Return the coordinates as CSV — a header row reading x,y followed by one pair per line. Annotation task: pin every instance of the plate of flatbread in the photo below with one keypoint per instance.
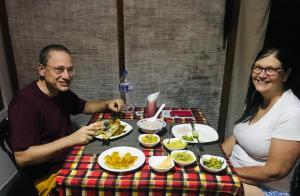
x,y
112,129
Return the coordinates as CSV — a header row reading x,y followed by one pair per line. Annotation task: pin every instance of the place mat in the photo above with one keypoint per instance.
x,y
131,139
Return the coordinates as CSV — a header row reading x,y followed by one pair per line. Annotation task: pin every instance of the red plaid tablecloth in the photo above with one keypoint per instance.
x,y
82,175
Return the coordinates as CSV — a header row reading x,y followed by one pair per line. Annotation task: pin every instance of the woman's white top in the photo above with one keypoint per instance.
x,y
282,121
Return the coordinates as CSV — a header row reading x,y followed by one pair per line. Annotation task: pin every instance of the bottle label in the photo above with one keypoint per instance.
x,y
124,87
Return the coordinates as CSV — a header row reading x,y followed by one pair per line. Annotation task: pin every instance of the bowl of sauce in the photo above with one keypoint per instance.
x,y
174,144
149,140
183,157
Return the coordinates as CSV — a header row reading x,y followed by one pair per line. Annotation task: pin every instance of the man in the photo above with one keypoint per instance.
x,y
39,114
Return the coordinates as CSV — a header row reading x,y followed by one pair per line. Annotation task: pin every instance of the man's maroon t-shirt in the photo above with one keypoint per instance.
x,y
36,118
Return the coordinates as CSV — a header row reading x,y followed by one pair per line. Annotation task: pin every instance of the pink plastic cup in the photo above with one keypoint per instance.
x,y
151,108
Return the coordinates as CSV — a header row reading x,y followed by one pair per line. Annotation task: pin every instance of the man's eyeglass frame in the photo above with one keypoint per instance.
x,y
61,70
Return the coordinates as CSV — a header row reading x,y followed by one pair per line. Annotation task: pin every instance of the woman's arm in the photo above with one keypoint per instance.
x,y
228,145
283,155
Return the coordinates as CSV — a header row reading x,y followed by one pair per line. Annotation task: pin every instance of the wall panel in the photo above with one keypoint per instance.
x,y
175,47
88,28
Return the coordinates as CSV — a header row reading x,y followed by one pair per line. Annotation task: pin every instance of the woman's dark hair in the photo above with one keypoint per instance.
x,y
44,54
253,98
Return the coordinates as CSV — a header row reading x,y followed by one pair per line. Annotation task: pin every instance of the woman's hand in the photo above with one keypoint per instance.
x,y
228,145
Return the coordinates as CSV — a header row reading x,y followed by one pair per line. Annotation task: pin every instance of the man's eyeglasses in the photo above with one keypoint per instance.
x,y
61,70
270,71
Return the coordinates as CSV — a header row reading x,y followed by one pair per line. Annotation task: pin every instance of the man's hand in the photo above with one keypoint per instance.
x,y
115,105
41,153
83,135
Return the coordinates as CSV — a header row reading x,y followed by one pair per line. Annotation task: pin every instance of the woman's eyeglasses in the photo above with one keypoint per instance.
x,y
61,70
270,71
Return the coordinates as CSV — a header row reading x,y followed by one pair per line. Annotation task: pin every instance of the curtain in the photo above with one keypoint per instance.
x,y
252,24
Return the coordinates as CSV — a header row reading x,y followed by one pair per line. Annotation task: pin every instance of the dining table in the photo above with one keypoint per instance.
x,y
81,173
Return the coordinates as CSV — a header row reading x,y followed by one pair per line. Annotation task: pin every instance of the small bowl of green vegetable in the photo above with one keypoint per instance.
x,y
149,140
213,163
183,157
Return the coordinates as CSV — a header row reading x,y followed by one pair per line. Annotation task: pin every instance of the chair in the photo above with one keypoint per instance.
x,y
4,139
295,185
22,185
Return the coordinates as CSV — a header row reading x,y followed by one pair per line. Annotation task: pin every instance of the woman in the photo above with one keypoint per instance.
x,y
265,147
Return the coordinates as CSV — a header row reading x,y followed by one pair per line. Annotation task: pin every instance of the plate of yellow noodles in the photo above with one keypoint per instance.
x,y
112,128
121,159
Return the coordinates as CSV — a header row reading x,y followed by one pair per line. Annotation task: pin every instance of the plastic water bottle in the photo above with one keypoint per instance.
x,y
125,89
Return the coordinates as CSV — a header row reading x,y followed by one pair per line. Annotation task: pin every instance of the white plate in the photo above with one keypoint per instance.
x,y
205,132
126,130
122,151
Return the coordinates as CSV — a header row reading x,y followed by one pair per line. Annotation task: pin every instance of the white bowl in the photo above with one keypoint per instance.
x,y
149,143
156,163
170,148
148,126
211,169
181,162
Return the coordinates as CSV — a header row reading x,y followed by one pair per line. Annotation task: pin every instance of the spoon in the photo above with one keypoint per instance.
x,y
153,118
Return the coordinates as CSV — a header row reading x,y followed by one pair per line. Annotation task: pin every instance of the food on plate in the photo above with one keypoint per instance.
x,y
115,161
109,128
183,156
188,138
149,138
175,144
195,134
184,130
188,134
161,163
166,163
213,162
151,125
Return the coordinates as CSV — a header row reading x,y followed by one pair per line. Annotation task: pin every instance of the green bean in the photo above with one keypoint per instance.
x,y
213,163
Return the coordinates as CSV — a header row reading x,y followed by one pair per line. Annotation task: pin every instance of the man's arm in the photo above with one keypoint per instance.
x,y
44,152
95,106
